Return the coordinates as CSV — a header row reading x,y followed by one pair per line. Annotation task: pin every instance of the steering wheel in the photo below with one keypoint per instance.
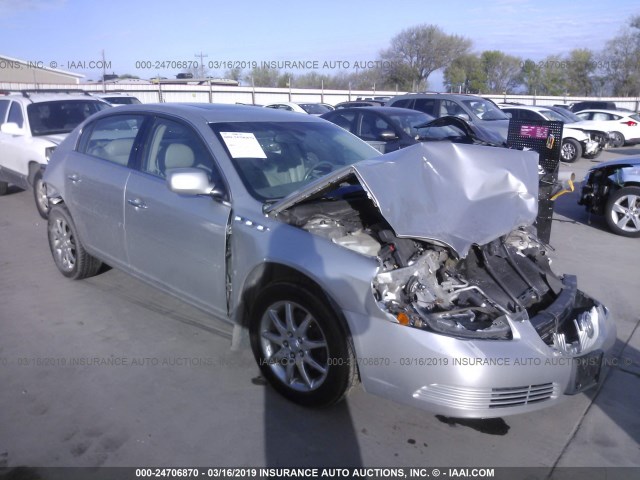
x,y
318,168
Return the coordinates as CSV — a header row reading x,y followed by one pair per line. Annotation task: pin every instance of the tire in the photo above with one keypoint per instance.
x,y
618,140
40,195
300,346
623,212
69,254
4,186
571,150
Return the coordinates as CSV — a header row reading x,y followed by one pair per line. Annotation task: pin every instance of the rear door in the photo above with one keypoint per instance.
x,y
95,181
177,242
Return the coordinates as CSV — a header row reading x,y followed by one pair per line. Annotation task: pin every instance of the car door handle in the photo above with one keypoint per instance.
x,y
137,203
75,178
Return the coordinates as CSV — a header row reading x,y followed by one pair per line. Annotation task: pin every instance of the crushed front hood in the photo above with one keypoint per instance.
x,y
455,194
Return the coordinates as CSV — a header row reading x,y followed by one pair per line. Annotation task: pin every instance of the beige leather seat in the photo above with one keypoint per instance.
x,y
178,155
117,150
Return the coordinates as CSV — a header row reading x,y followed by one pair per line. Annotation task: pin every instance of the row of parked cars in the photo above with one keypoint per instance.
x,y
424,280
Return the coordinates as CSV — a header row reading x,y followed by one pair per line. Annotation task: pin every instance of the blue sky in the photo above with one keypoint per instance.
x,y
329,30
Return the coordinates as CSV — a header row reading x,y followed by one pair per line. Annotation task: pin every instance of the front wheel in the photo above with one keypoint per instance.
x,y
571,150
69,254
40,195
623,212
300,346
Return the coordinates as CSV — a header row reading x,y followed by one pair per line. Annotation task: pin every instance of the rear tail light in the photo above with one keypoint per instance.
x,y
630,123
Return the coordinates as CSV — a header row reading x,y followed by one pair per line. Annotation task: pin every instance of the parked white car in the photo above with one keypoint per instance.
x,y
118,98
624,126
32,123
316,109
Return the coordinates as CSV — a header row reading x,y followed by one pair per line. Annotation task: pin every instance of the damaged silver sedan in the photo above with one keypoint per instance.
x,y
417,272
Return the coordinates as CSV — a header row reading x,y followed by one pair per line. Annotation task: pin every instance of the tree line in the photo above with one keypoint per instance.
x,y
417,52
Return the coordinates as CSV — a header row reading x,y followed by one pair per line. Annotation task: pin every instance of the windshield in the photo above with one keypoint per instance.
x,y
568,114
484,109
408,121
551,115
274,159
122,100
50,118
314,108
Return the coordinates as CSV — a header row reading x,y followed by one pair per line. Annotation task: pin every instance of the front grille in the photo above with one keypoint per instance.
x,y
485,398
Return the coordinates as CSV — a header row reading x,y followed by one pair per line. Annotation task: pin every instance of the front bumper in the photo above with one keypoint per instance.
x,y
591,147
475,378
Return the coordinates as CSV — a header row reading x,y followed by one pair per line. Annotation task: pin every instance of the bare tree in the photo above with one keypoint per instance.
x,y
417,52
234,74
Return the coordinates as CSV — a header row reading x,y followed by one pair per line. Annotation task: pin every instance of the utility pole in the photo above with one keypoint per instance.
x,y
201,56
104,72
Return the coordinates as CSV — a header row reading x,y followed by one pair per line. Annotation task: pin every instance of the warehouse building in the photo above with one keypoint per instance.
x,y
13,70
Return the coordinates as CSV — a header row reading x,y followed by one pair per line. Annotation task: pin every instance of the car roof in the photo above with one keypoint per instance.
x,y
36,97
111,94
533,108
381,109
438,95
604,110
214,112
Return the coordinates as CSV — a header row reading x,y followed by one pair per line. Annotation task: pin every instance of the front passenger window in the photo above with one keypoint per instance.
x,y
174,145
15,114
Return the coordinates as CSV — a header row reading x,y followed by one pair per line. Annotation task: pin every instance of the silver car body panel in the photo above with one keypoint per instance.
x,y
454,194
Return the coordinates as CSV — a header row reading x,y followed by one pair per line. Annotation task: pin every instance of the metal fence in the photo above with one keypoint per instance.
x,y
166,92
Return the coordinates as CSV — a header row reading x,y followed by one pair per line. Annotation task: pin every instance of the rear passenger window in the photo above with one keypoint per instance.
x,y
426,105
112,138
406,103
15,114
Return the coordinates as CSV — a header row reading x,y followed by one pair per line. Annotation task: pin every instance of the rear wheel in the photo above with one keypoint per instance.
x,y
4,186
300,346
623,212
40,195
571,150
69,254
617,139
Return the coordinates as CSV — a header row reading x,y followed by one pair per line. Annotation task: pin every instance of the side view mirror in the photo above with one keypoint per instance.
x,y
464,116
191,181
388,135
11,128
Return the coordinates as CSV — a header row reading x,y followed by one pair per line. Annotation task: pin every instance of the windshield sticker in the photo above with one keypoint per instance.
x,y
243,145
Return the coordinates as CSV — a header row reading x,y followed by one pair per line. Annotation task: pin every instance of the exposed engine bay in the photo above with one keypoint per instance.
x,y
427,286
